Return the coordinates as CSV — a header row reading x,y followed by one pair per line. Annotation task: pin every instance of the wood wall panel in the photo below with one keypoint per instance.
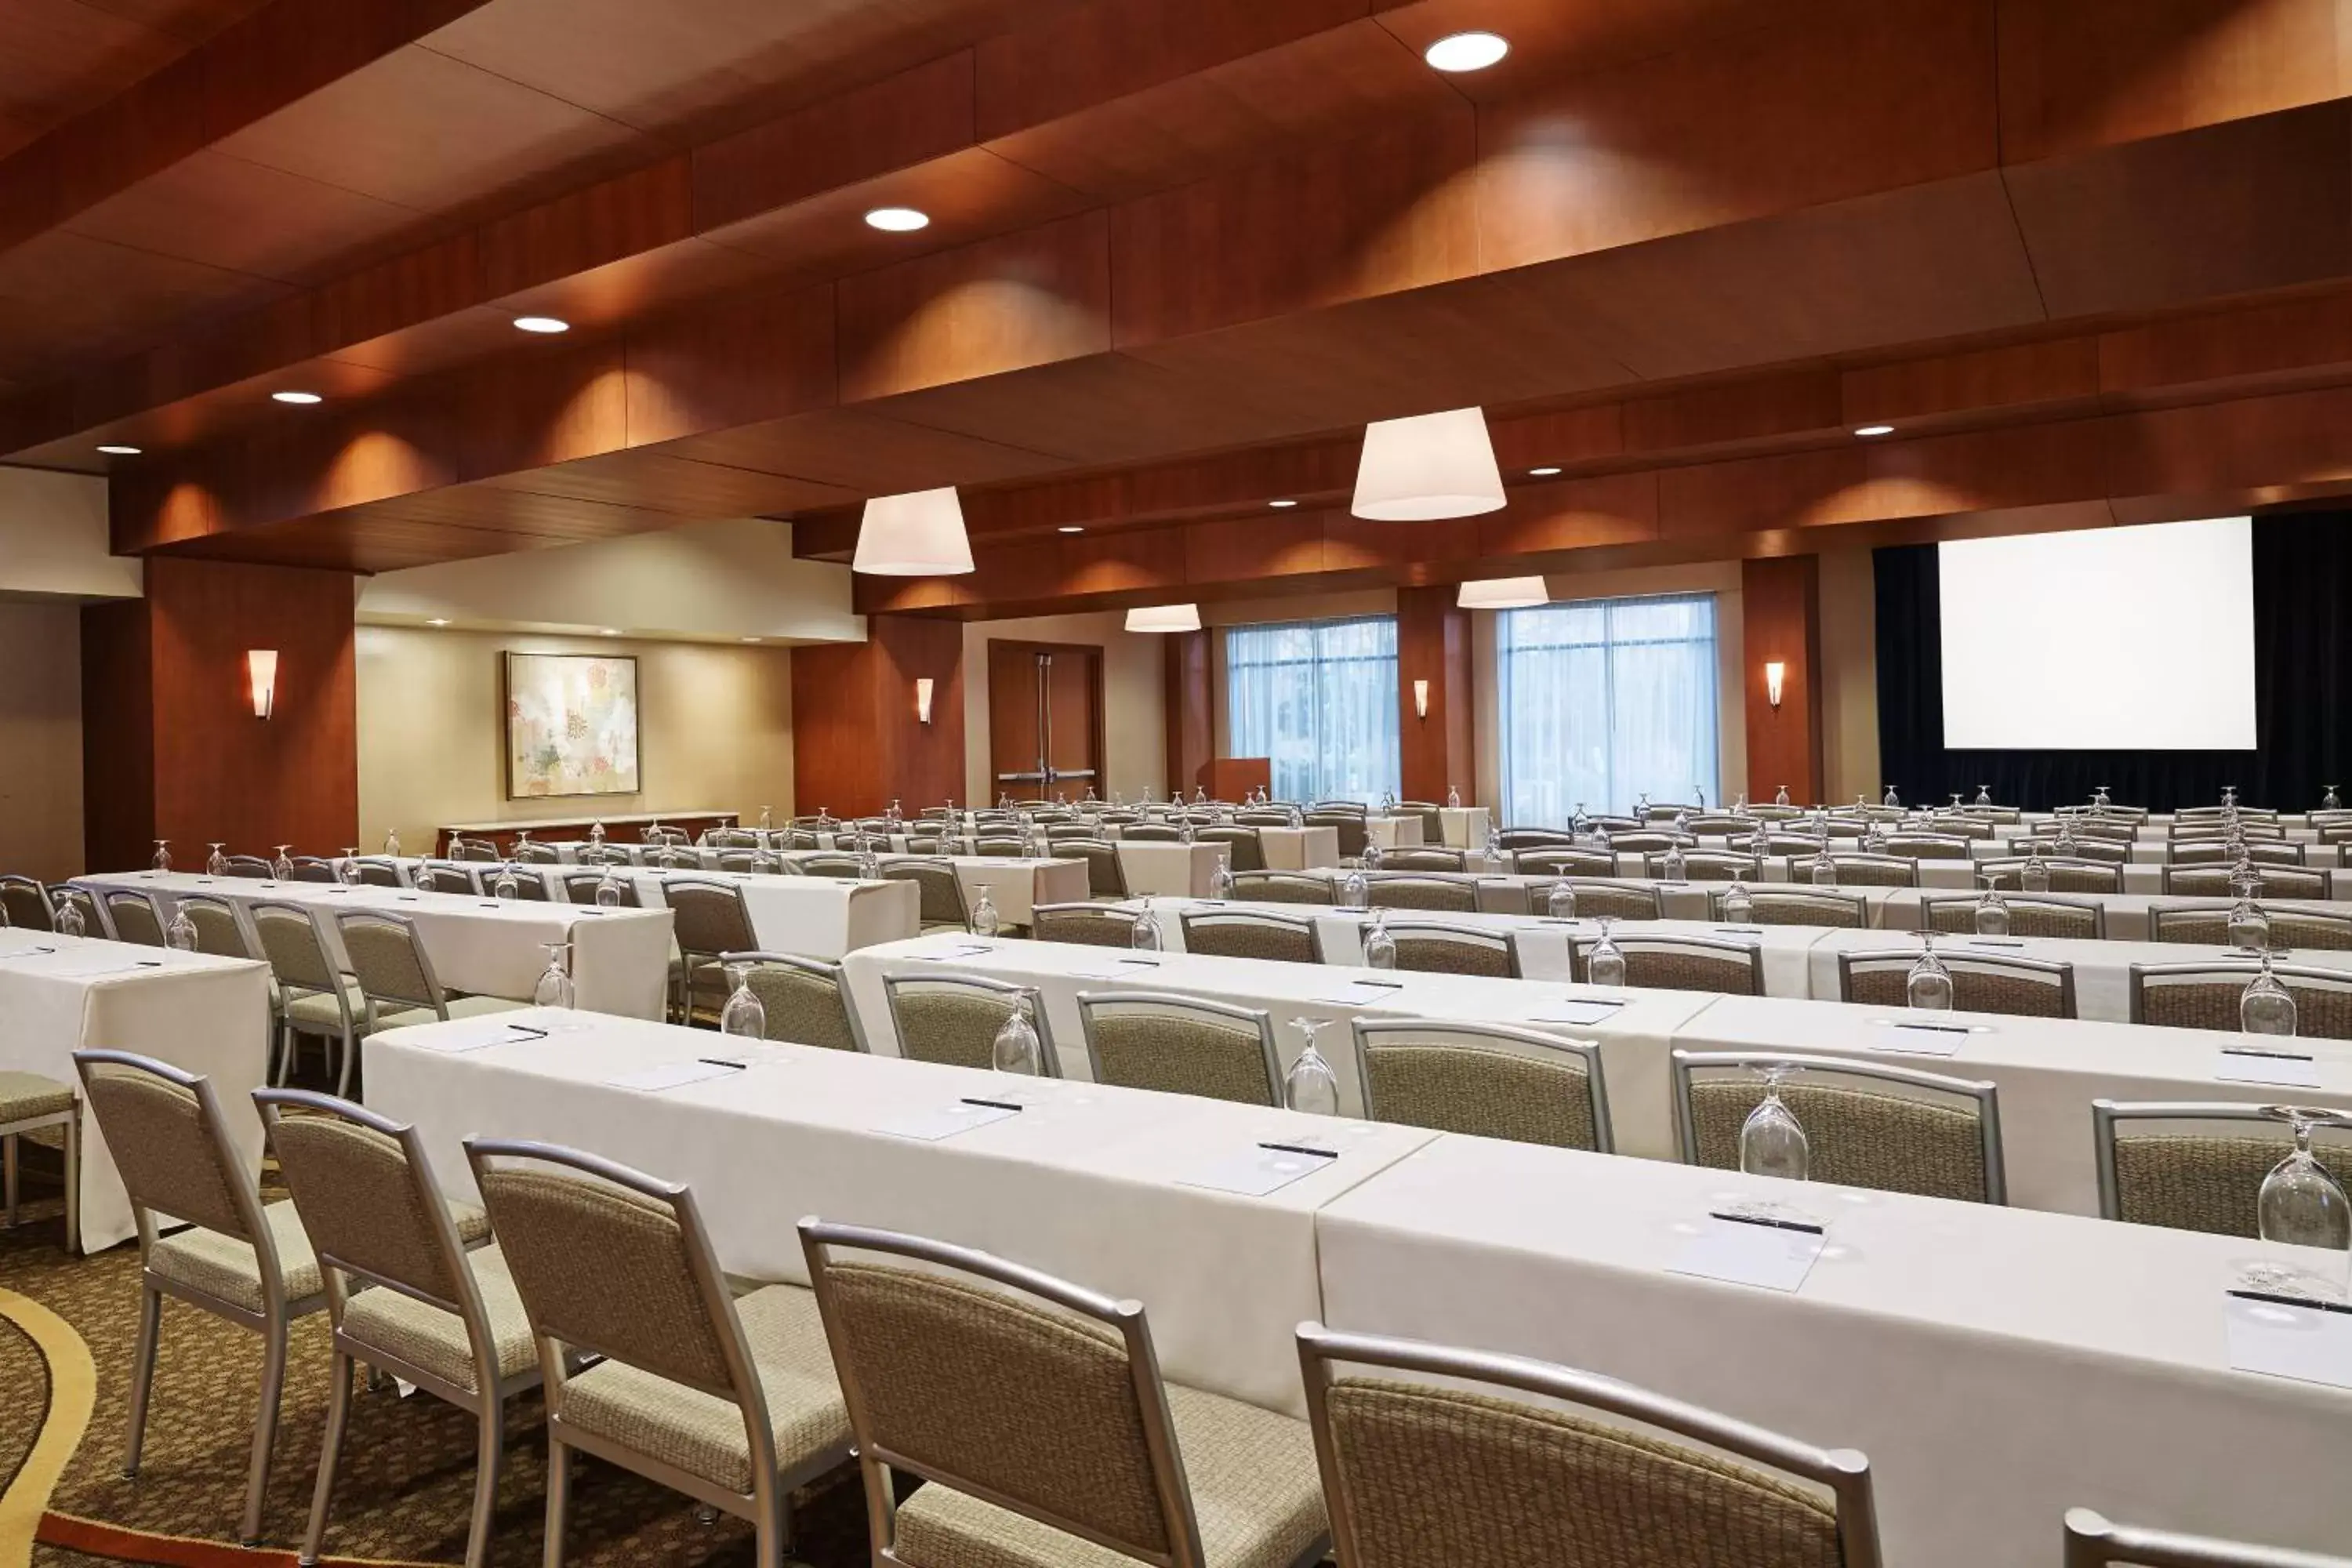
x,y
1780,610
1439,752
1190,706
117,735
856,741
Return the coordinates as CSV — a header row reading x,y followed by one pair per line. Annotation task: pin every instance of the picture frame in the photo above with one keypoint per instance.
x,y
571,725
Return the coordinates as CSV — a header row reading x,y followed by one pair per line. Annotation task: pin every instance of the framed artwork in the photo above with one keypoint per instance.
x,y
571,725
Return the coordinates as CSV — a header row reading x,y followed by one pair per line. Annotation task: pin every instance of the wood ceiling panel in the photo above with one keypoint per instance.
x,y
1574,514
2224,348
657,481
65,294
637,286
58,58
758,355
1552,38
246,217
2008,376
863,452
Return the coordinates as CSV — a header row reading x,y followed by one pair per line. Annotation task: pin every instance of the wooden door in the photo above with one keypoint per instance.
x,y
1044,718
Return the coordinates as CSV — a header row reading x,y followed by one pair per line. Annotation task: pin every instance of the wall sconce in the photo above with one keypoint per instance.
x,y
922,699
261,674
1774,674
1421,699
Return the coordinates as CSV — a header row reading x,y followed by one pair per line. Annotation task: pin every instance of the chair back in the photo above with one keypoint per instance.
x,y
1596,895
1251,933
930,1350
710,915
1982,982
1092,925
388,961
807,1001
1433,947
461,848
1422,1472
1927,846
2065,876
830,863
1488,1080
1349,825
1703,866
1000,848
1564,862
295,947
314,868
2205,995
1151,833
1245,851
1284,887
378,872
953,1018
1181,1045
1649,841
444,879
1408,890
251,866
133,916
1859,870
2093,1543
171,1145
1106,878
2199,1165
1422,857
531,854
220,929
1724,965
2029,915
1783,906
2192,852
1869,1125
941,890
580,887
2271,881
25,903
1517,839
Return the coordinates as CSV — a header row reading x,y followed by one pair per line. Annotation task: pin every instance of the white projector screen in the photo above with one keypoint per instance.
x,y
2106,640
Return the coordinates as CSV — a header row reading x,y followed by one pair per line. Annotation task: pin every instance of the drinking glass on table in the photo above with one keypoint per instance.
x,y
2330,801
985,921
1992,910
69,921
1739,907
1221,886
608,889
1928,987
2300,1205
1380,947
505,887
2267,1006
1015,1049
283,867
347,869
216,863
2250,928
745,1016
1560,902
1605,964
1772,1143
554,988
181,933
1780,795
162,860
2034,875
392,842
1144,935
1310,1085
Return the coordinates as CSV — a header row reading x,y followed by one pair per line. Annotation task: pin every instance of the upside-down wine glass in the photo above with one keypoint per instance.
x,y
1605,964
1674,865
608,889
1984,794
554,988
283,867
1739,907
2330,801
181,931
2034,875
162,860
2300,1205
1144,934
69,921
1992,910
392,842
1380,947
2267,1006
1780,795
1354,892
1560,902
2249,928
216,863
1310,1085
1015,1049
984,919
1772,1143
1822,868
347,870
506,887
1453,798
1928,987
744,1015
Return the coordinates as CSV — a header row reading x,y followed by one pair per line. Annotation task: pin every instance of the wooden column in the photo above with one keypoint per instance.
x,y
170,746
1779,606
1192,716
1434,645
857,741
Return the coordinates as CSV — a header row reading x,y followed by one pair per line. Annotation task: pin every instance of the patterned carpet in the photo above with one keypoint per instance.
x,y
406,1483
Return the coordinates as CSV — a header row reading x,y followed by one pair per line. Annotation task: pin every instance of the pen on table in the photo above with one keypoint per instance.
x,y
991,1104
1939,1028
2275,1055
2291,1301
1302,1149
720,1062
1796,1225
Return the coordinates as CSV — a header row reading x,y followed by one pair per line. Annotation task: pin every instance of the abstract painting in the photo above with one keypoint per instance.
x,y
571,725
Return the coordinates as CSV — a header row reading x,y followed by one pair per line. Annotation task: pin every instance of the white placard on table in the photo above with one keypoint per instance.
x,y
674,1074
1580,1012
2310,1343
1918,1039
1119,969
1774,1255
1361,992
2251,1064
479,1035
1261,1169
946,1121
968,949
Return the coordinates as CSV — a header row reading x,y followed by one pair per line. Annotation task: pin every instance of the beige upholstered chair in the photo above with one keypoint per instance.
x,y
313,996
1432,819
1424,1473
953,1018
1701,866
1982,982
1518,838
25,904
1106,878
1856,869
1181,1045
710,918
480,850
1422,857
2029,915
2217,852
314,868
1489,1080
1251,933
1092,925
445,1320
2093,1543
2276,881
828,863
531,854
2100,851
1724,965
943,905
1001,846
1407,890
1783,906
1035,1411
1649,841
1596,897
2065,876
1869,1124
1150,833
436,876
1283,886
1347,825
133,915
731,1401
253,867
1564,862
1433,947
374,871
2206,996
2291,926
1247,852
396,974
2199,1165
31,1103
806,1000
580,887
1927,846
530,881
220,930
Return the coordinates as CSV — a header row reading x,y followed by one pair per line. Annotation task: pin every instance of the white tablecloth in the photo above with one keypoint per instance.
x,y
1392,832
1997,1366
207,1014
1086,1182
620,958
1464,825
1160,867
1299,849
1014,883
1677,900
2127,913
815,917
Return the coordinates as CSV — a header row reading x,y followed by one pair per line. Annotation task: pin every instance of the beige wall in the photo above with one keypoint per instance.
x,y
40,736
1135,702
53,538
715,730
1849,676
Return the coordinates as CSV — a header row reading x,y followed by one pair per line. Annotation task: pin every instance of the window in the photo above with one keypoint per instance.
x,y
1605,701
1319,700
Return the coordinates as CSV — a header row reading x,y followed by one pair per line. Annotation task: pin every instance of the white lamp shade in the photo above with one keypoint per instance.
x,y
919,534
1429,467
1165,618
1503,593
261,680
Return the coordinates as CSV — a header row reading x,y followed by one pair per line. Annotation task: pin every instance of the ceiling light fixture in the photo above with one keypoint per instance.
x,y
301,397
897,220
1428,468
112,450
1069,528
437,621
1467,51
919,534
1283,505
751,640
1165,618
541,324
608,631
1542,473
1503,593
1874,430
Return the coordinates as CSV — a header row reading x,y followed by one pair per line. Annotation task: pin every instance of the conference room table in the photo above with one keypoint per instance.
x,y
1154,867
59,994
1997,1366
2128,915
1127,1192
488,947
1014,883
1509,893
815,917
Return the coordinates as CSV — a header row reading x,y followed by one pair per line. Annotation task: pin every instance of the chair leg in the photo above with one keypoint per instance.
x,y
264,1431
489,1456
343,1079
143,1375
73,1182
331,1454
559,1498
8,1174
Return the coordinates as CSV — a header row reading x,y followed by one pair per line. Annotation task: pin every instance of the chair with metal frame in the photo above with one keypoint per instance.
x,y
1927,846
580,887
828,863
2200,1176
32,1103
1426,1472
2271,881
220,929
25,904
953,1018
1251,933
314,997
2093,1543
1903,1131
1421,890
1647,841
1982,982
439,1317
1150,833
985,1378
1597,896
1422,857
1000,847
440,876
1858,869
731,1400
1488,1080
396,974
941,890
2065,876
1106,878
255,866
1432,819
1717,824
463,849
2205,995
1780,905
1517,839
1676,962
1284,888
1180,1044
376,871
1564,862
2217,853
1090,925
314,868
804,1001
1246,850
2291,926
2029,915
709,916
531,854
749,863
1434,947
1701,866
133,915
1349,826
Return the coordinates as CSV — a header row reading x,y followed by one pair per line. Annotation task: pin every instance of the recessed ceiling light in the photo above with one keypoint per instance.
x,y
305,397
1282,505
1069,528
1874,430
897,220
1543,473
541,324
111,450
1467,51
751,640
608,631
438,621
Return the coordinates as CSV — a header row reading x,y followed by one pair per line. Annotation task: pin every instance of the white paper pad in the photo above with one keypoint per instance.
x,y
1362,994
2309,1344
1742,1254
84,961
1582,1014
478,1034
2248,1065
969,950
1256,1170
672,1075
1922,1039
946,1122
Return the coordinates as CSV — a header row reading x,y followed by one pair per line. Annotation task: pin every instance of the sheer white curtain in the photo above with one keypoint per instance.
x,y
1319,699
1604,700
